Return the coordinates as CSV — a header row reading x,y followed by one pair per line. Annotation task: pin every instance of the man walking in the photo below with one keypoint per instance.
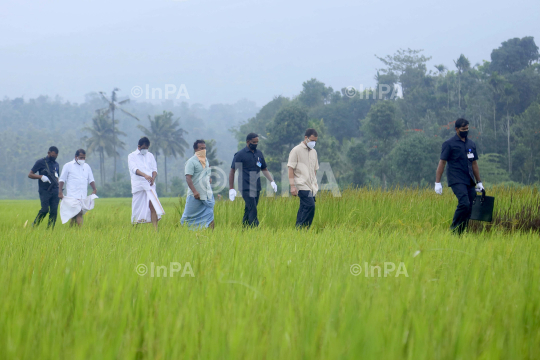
x,y
77,175
48,170
142,166
460,154
251,162
199,209
303,165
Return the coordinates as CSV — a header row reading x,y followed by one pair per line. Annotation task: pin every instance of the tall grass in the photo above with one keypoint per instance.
x,y
272,292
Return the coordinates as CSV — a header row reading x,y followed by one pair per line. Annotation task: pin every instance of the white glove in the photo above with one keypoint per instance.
x,y
274,186
45,179
438,188
479,187
232,194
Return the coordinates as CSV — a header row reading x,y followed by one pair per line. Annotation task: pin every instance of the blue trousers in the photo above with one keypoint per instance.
x,y
49,204
250,210
465,195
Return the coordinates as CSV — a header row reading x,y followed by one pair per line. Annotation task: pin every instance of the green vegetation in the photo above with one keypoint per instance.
x,y
403,120
274,292
387,135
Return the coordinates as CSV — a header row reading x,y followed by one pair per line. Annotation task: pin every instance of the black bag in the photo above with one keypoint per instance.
x,y
482,209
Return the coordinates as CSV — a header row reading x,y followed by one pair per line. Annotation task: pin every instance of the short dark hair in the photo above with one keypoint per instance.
x,y
310,132
144,141
461,123
53,148
196,144
79,152
251,136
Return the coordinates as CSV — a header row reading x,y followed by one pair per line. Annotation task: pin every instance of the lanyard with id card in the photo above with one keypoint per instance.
x,y
259,162
470,154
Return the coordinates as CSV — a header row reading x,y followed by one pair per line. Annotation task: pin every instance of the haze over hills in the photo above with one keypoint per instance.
x,y
274,67
224,52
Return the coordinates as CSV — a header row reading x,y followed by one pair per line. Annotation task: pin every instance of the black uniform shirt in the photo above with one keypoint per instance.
x,y
252,163
459,156
41,167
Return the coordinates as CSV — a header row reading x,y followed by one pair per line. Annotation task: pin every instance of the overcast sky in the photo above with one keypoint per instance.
x,y
224,51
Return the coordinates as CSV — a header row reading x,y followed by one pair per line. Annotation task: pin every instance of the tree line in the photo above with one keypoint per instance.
x,y
29,127
370,137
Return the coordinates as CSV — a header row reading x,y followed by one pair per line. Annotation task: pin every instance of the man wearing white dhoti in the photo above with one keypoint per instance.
x,y
142,166
77,175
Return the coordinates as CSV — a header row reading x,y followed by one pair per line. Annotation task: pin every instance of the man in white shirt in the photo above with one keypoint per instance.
x,y
77,175
142,166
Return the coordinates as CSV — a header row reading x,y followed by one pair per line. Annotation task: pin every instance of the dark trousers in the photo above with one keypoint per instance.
x,y
306,212
465,195
250,210
49,204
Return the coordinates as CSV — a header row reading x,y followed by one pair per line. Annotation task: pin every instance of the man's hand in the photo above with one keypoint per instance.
x,y
94,192
148,178
479,187
274,186
45,179
196,195
60,195
438,188
294,191
232,194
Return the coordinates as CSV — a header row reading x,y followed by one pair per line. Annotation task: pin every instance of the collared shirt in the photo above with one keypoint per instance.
x,y
200,177
146,164
459,155
41,167
76,177
304,163
251,163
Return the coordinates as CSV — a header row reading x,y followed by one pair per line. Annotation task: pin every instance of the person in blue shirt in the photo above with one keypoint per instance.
x,y
251,162
48,170
462,173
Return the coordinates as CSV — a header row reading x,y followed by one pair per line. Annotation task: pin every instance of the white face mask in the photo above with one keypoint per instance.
x,y
311,144
144,151
80,161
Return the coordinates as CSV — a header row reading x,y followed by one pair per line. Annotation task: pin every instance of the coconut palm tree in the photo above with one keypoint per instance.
x,y
166,136
102,140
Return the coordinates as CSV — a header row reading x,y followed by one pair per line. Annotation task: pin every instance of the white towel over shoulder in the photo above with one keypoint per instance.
x,y
70,207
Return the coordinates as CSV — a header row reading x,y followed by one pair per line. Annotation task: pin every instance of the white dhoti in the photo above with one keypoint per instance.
x,y
71,207
140,206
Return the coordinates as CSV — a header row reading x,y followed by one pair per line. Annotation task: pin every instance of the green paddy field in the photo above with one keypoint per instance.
x,y
275,292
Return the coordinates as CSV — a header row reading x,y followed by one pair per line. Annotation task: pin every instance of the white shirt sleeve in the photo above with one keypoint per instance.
x,y
132,164
64,174
154,165
90,175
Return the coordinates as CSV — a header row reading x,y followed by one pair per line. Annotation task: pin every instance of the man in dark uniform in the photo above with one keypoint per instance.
x,y
463,173
251,162
47,178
